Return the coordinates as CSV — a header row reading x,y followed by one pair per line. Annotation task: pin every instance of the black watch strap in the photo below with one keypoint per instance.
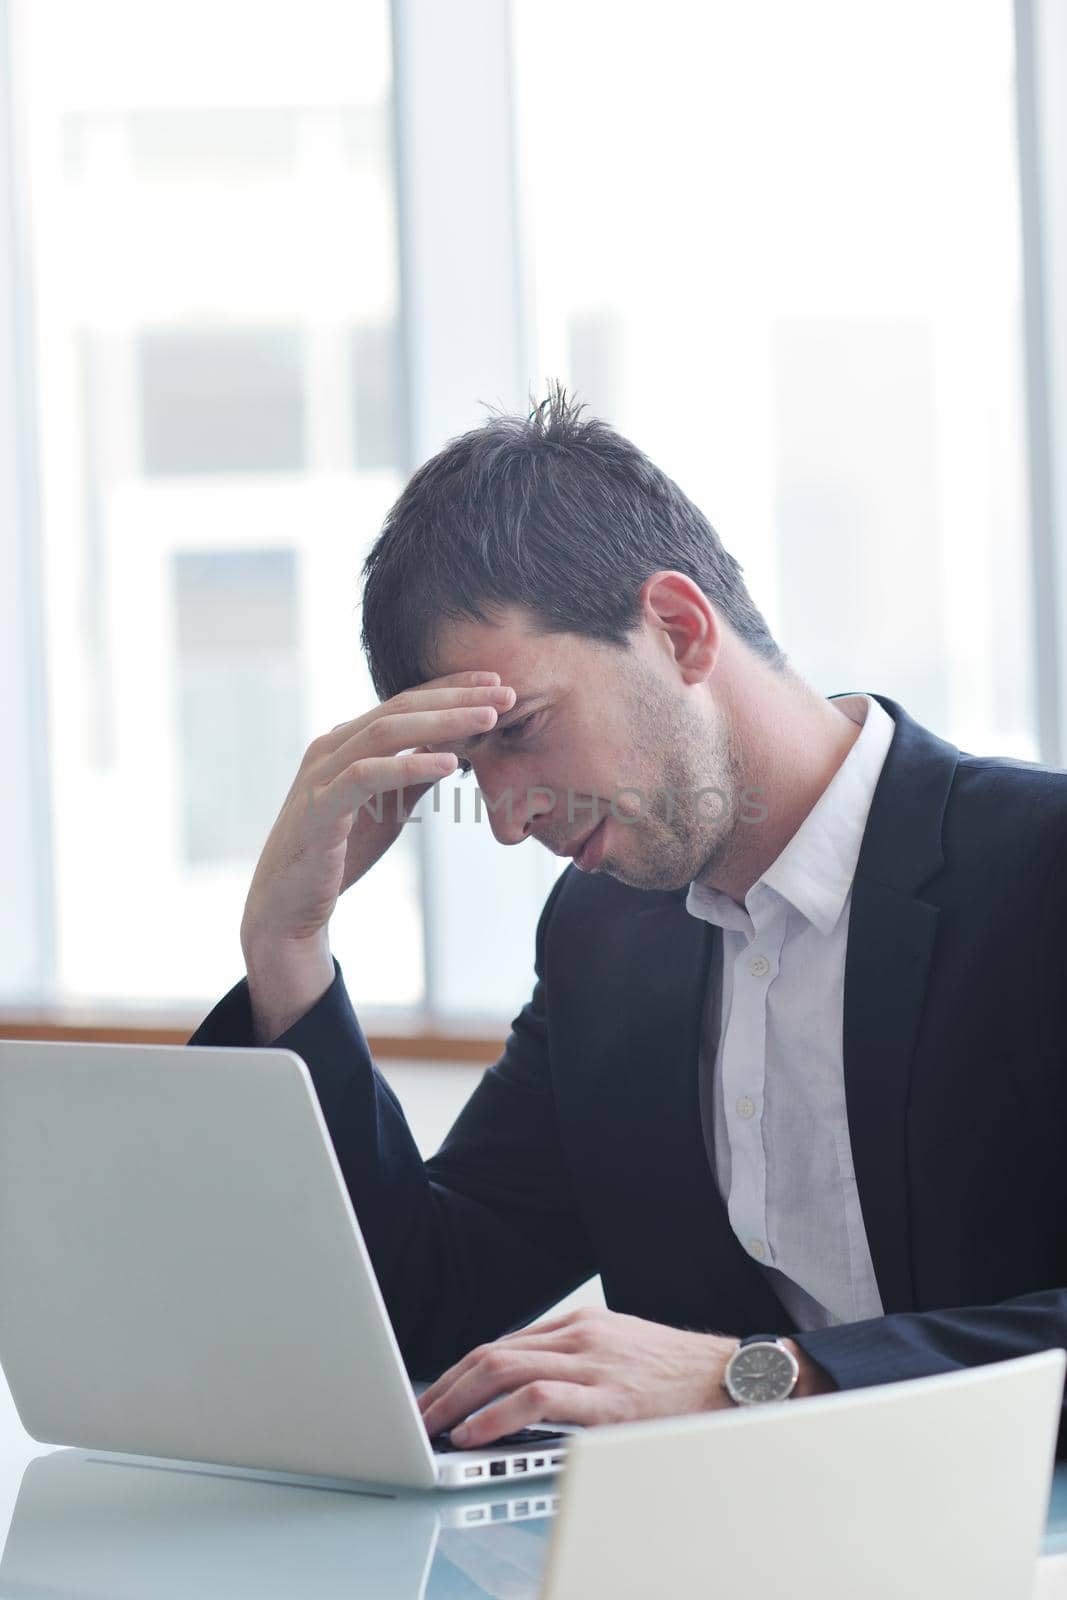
x,y
758,1338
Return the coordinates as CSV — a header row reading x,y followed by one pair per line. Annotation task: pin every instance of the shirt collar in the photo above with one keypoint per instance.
x,y
814,871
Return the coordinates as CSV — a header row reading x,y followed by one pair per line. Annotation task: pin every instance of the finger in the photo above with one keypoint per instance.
x,y
438,691
364,784
580,1319
449,1377
495,1376
480,1356
431,727
401,730
540,1401
536,1337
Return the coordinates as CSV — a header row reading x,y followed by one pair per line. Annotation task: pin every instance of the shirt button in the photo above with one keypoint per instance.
x,y
745,1107
758,1249
759,966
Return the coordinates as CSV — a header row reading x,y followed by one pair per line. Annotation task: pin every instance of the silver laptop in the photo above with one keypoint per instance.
x,y
184,1276
933,1487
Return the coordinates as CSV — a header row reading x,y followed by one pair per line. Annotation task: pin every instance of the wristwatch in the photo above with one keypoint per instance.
x,y
760,1369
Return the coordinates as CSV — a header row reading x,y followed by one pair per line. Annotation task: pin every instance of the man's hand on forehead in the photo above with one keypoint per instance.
x,y
334,824
486,691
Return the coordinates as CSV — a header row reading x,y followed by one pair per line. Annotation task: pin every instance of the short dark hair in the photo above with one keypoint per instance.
x,y
554,512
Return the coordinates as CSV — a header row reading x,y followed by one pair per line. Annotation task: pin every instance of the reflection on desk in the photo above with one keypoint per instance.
x,y
1056,1529
91,1527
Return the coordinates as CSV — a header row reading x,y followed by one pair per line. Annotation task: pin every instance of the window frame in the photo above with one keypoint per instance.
x,y
27,932
1040,88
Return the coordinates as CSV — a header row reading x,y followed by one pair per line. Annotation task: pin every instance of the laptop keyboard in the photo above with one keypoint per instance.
x,y
442,1444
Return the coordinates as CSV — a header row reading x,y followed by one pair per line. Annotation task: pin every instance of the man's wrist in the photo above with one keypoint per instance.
x,y
284,982
812,1378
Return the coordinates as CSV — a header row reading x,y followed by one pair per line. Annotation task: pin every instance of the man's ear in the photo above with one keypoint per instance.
x,y
676,607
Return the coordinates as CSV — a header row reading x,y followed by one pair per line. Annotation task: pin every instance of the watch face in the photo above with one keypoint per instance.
x,y
759,1372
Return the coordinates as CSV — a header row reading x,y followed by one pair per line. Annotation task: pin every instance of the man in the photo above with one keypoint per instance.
x,y
793,1063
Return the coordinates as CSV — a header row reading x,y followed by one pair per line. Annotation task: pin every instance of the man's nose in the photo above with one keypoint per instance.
x,y
512,809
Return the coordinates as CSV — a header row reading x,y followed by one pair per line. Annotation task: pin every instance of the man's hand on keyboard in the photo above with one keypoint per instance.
x,y
588,1366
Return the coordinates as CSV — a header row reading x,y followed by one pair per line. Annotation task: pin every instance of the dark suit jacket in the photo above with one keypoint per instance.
x,y
581,1150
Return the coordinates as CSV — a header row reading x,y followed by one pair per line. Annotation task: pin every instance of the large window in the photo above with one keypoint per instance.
x,y
266,259
215,284
779,246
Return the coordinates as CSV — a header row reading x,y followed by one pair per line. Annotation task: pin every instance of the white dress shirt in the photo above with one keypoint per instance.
x,y
771,1054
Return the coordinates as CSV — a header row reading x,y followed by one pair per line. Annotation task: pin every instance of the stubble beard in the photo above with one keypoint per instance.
x,y
681,833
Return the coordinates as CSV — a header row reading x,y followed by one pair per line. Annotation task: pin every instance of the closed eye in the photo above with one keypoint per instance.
x,y
518,727
512,731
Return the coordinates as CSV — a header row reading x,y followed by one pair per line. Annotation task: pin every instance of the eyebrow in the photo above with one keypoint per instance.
x,y
513,714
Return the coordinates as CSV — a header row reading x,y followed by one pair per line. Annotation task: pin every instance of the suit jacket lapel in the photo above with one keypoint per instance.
x,y
662,1019
890,943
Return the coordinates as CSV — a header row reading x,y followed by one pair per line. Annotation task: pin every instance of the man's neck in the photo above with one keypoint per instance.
x,y
793,742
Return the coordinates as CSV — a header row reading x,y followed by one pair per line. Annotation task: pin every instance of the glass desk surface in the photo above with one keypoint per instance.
x,y
80,1525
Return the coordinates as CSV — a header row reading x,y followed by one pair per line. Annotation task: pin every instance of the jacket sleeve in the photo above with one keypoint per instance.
x,y
485,1235
917,1344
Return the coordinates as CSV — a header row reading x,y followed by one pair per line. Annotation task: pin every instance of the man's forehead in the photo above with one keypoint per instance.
x,y
509,647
